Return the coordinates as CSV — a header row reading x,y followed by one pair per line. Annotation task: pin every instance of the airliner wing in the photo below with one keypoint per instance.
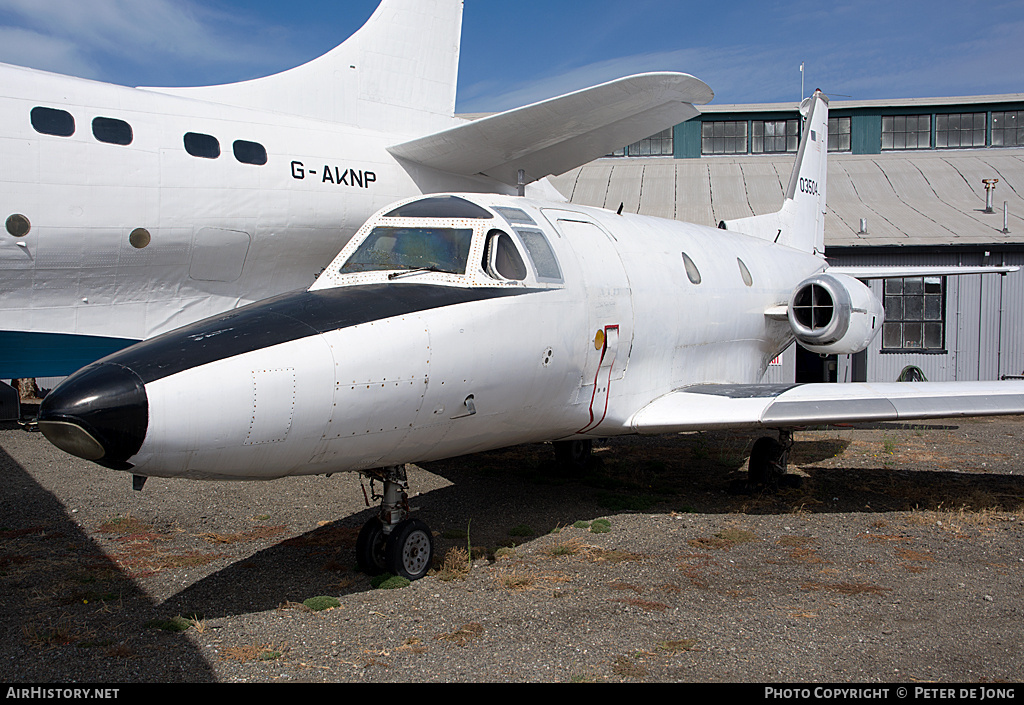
x,y
556,135
789,405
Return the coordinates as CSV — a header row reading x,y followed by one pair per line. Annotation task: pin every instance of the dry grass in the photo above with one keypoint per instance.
x,y
260,532
464,634
846,588
252,652
455,565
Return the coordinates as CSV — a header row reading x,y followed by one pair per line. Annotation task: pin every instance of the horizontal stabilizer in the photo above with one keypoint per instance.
x,y
559,134
787,406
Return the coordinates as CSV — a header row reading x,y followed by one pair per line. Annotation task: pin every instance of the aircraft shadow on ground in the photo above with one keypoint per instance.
x,y
514,495
64,599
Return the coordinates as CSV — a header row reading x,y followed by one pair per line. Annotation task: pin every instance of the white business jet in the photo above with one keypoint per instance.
x,y
457,323
129,212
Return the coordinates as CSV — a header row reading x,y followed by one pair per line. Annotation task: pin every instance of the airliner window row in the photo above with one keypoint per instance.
x,y
61,123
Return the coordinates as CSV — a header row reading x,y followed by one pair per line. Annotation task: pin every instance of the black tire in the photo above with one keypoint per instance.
x,y
370,547
410,550
574,455
761,468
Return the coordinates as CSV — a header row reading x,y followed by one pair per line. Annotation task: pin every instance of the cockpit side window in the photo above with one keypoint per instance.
x,y
539,249
436,249
501,258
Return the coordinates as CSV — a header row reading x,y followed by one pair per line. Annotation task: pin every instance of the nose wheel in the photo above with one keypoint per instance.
x,y
391,542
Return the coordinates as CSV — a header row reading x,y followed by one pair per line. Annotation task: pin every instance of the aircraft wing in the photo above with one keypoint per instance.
x,y
887,271
791,405
556,135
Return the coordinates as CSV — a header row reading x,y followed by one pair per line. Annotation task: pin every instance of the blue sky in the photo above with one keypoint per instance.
x,y
518,51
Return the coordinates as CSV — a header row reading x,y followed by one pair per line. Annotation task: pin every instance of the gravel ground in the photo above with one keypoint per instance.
x,y
898,560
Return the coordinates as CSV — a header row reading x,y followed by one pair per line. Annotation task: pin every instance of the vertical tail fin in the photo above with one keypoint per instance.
x,y
801,221
398,72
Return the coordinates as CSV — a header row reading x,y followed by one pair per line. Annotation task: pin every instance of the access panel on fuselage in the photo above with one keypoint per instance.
x,y
608,301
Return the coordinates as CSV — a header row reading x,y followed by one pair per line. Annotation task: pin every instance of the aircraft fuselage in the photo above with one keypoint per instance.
x,y
207,206
382,367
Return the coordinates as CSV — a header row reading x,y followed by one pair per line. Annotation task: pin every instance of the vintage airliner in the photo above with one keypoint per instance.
x,y
129,212
456,323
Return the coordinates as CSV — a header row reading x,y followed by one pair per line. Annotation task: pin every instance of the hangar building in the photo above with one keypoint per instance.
x,y
905,187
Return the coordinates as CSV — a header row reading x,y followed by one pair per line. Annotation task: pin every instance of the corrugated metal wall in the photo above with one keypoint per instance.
x,y
984,321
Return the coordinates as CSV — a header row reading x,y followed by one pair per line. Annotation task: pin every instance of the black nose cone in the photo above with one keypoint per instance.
x,y
100,413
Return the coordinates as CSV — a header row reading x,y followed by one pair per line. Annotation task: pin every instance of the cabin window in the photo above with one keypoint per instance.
x,y
692,273
50,121
432,249
250,152
440,207
112,131
501,258
745,273
914,314
200,145
543,258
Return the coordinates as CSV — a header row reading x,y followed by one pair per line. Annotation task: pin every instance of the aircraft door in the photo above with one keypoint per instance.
x,y
609,309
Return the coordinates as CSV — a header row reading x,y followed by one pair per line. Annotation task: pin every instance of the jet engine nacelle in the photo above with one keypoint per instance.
x,y
834,314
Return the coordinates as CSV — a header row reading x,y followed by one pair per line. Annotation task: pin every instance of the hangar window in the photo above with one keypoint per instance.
x,y
440,207
112,131
200,145
501,258
692,273
50,121
659,145
432,249
960,130
250,152
906,131
774,136
723,137
915,314
839,130
1008,128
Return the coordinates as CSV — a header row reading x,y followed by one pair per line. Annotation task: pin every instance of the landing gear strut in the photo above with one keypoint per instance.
x,y
574,455
391,542
768,461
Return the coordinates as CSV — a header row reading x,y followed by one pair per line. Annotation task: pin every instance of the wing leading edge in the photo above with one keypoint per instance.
x,y
785,406
559,134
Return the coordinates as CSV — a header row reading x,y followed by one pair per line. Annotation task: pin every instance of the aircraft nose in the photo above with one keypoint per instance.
x,y
100,413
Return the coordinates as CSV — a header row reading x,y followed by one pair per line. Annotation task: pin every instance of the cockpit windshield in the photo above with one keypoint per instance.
x,y
390,248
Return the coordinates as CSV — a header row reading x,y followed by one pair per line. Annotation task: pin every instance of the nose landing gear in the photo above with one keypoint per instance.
x,y
391,542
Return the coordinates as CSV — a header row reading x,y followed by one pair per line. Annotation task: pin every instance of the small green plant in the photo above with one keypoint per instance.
x,y
581,524
174,624
387,581
600,526
321,602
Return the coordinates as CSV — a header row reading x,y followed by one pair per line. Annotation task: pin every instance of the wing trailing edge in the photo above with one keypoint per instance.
x,y
787,406
559,134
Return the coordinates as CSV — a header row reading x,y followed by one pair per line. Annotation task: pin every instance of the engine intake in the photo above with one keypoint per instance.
x,y
834,313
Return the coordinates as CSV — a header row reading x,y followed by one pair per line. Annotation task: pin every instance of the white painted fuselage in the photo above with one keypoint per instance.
x,y
221,232
394,388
